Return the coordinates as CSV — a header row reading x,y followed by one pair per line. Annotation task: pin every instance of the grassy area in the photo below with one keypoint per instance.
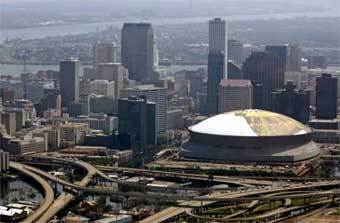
x,y
303,201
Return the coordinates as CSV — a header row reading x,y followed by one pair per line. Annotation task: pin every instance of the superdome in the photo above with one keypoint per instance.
x,y
250,123
250,135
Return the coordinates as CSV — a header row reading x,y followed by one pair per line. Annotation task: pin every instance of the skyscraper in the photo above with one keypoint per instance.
x,y
294,62
69,81
138,50
235,95
216,67
112,72
102,87
235,51
104,52
282,52
292,103
218,37
264,69
137,122
326,97
153,94
289,54
234,71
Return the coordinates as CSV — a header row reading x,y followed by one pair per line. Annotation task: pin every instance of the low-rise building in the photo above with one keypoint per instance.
x,y
26,145
73,133
107,124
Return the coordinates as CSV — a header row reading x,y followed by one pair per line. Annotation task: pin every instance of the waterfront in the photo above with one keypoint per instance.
x,y
15,70
76,28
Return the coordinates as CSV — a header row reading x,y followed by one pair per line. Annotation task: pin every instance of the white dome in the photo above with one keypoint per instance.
x,y
250,123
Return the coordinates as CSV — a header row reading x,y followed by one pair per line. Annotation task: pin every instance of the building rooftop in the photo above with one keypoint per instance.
x,y
235,83
250,123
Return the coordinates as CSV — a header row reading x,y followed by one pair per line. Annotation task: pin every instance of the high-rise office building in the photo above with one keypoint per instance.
x,y
102,104
69,81
104,52
264,69
218,37
235,95
138,50
216,67
292,103
282,52
294,61
102,87
153,94
4,161
8,119
112,72
326,97
289,54
137,122
235,52
234,71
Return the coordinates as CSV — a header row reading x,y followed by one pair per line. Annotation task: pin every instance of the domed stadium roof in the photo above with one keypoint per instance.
x,y
250,123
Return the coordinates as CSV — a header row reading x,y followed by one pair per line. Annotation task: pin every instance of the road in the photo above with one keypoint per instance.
x,y
48,192
237,196
65,198
203,177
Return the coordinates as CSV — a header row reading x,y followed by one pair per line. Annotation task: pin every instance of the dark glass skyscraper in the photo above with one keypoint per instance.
x,y
326,97
281,51
264,69
289,54
215,75
234,72
137,42
137,122
292,103
69,81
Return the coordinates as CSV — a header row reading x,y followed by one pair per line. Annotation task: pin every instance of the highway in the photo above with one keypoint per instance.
x,y
239,196
187,203
48,192
65,198
217,179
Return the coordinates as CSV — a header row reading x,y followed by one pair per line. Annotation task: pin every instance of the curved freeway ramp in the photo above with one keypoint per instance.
x,y
48,191
65,198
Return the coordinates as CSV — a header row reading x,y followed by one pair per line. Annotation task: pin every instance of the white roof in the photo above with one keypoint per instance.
x,y
11,212
250,123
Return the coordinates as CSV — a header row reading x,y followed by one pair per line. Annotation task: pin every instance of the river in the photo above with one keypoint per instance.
x,y
48,31
15,70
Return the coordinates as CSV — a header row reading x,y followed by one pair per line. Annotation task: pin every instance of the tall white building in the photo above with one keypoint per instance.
x,y
104,52
112,72
234,95
218,39
102,87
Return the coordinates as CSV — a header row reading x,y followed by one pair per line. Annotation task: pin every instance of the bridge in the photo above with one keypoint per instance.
x,y
48,192
186,203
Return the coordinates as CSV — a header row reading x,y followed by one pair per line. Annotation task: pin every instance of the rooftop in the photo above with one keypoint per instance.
x,y
250,123
235,83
